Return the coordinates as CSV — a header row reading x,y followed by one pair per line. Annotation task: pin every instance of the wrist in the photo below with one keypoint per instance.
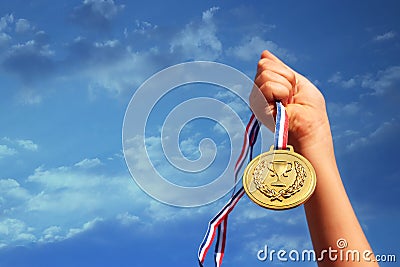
x,y
317,146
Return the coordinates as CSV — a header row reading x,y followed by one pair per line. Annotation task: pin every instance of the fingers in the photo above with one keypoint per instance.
x,y
261,108
276,81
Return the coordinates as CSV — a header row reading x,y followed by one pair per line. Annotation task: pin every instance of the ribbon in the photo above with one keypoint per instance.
x,y
281,127
217,226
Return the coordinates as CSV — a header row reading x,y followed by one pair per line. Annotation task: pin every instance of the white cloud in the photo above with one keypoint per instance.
x,y
4,38
51,234
27,144
15,230
209,14
251,49
29,97
339,110
88,163
190,147
22,25
58,203
338,79
6,151
144,27
32,46
105,8
233,101
6,21
16,146
127,218
199,41
385,36
86,226
107,43
69,189
119,76
31,60
387,128
383,82
96,13
150,169
11,192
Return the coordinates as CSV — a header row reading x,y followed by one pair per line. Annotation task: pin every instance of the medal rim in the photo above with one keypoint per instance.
x,y
289,150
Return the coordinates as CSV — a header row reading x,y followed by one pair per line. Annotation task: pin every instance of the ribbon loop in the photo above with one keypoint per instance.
x,y
218,224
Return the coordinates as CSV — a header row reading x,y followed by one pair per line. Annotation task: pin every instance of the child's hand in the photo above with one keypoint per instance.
x,y
305,105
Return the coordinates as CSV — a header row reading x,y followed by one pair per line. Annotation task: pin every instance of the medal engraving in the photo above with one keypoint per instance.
x,y
279,179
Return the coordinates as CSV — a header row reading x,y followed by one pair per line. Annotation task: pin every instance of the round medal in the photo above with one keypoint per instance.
x,y
279,179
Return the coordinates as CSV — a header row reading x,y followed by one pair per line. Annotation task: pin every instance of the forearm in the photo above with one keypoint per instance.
x,y
329,212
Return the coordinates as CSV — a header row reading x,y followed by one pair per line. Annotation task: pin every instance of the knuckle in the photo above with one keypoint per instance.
x,y
261,64
268,85
265,54
266,75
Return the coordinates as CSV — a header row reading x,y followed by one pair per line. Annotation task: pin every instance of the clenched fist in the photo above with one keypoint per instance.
x,y
305,105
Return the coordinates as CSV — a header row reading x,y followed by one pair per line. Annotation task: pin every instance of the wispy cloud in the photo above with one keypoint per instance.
x,y
385,36
12,147
6,22
382,132
199,40
26,53
23,25
30,60
96,14
27,144
338,110
29,97
6,151
57,203
16,231
251,48
88,163
337,78
12,193
384,82
144,27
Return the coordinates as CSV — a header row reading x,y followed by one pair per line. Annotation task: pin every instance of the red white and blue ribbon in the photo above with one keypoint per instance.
x,y
221,241
281,127
218,224
250,137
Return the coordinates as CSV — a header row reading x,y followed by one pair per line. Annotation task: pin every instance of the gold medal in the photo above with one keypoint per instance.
x,y
279,179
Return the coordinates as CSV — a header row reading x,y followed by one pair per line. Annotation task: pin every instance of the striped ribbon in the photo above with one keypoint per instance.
x,y
217,226
281,127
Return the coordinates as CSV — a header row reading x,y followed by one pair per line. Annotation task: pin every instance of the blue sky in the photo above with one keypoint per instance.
x,y
68,70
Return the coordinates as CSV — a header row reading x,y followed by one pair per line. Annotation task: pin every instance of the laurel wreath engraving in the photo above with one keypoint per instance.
x,y
284,193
